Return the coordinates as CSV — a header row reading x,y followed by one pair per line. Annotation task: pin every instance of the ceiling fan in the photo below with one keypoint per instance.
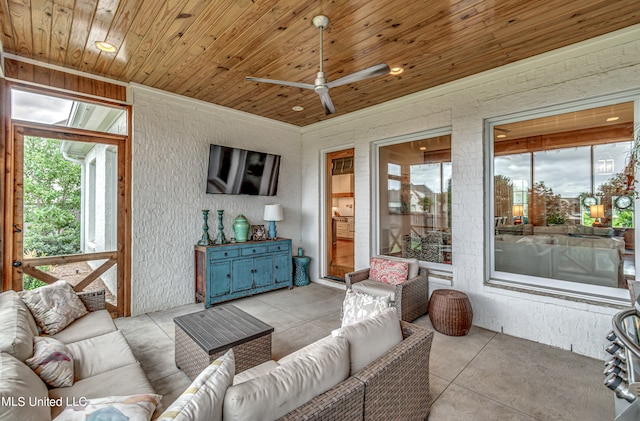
x,y
321,85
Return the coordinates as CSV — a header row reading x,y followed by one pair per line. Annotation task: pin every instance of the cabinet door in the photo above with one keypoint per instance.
x,y
282,268
242,274
220,278
263,271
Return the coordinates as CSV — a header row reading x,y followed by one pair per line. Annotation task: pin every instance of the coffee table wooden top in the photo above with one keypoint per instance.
x,y
222,327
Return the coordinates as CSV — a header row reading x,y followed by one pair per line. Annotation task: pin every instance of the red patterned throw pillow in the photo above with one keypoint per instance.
x,y
388,271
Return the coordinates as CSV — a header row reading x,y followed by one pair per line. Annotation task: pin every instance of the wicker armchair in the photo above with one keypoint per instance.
x,y
411,297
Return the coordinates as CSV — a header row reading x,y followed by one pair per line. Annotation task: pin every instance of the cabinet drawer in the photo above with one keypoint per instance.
x,y
221,254
249,251
277,247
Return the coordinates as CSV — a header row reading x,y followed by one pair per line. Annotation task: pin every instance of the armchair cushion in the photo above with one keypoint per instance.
x,y
359,306
373,287
93,324
388,271
18,385
54,306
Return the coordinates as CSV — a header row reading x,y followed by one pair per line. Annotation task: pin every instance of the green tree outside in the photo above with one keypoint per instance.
x,y
51,200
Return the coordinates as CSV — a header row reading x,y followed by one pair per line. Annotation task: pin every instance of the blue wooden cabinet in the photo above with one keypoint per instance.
x,y
237,270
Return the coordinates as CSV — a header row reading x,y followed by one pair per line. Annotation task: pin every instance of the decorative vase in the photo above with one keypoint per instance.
x,y
241,228
205,240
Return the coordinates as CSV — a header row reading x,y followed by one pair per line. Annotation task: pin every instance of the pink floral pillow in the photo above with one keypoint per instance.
x,y
390,272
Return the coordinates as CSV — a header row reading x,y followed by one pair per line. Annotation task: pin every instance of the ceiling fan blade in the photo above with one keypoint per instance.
x,y
373,71
327,103
281,82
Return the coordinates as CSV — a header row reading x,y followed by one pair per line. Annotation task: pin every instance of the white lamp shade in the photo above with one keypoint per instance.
x,y
596,211
273,213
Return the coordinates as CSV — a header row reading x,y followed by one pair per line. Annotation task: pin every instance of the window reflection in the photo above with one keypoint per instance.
x,y
415,199
557,212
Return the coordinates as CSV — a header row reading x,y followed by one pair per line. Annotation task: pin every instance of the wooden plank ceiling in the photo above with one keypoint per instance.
x,y
204,48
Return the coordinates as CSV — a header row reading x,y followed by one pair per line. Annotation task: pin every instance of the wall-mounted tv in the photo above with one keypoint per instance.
x,y
239,171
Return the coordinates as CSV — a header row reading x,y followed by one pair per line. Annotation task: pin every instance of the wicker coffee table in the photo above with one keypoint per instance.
x,y
203,336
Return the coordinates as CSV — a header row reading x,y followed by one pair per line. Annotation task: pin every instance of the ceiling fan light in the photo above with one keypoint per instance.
x,y
105,46
613,118
396,70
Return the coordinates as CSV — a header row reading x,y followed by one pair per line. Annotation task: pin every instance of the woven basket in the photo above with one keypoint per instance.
x,y
450,312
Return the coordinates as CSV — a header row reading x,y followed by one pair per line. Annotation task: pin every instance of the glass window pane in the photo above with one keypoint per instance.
x,y
415,211
557,212
39,108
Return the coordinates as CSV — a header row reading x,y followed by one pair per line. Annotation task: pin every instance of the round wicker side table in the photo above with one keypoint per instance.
x,y
450,312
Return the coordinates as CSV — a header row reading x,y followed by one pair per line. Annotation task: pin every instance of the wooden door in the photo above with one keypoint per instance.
x,y
38,265
340,215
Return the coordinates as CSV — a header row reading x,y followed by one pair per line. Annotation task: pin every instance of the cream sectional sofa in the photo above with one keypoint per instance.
x,y
375,369
103,363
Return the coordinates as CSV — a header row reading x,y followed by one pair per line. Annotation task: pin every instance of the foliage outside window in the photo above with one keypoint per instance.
x,y
415,199
556,211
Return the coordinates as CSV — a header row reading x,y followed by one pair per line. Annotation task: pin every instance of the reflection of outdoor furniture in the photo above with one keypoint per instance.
x,y
410,298
430,247
585,258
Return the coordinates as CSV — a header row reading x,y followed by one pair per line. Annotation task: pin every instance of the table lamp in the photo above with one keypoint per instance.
x,y
518,213
273,213
596,212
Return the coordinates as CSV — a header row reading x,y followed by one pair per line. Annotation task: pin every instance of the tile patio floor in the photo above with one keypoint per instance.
x,y
482,376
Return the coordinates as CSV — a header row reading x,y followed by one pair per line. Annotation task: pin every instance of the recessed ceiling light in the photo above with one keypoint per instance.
x,y
423,148
297,108
613,118
396,70
105,46
501,136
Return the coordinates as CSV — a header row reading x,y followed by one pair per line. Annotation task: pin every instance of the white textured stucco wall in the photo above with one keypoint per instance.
x,y
598,67
171,137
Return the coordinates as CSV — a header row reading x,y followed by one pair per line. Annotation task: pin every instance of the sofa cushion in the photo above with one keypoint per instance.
x,y
391,272
203,399
17,327
371,338
95,323
373,287
289,386
98,355
52,361
358,306
123,381
54,306
18,386
319,344
255,371
134,407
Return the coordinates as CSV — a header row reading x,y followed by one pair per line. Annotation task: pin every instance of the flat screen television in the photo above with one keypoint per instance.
x,y
239,171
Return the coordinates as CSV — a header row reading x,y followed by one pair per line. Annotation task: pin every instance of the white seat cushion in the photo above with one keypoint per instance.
x,y
373,287
19,385
17,327
288,386
95,323
371,338
98,355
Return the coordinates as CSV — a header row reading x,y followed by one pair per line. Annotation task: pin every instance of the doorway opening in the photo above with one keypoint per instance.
x,y
341,198
67,197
